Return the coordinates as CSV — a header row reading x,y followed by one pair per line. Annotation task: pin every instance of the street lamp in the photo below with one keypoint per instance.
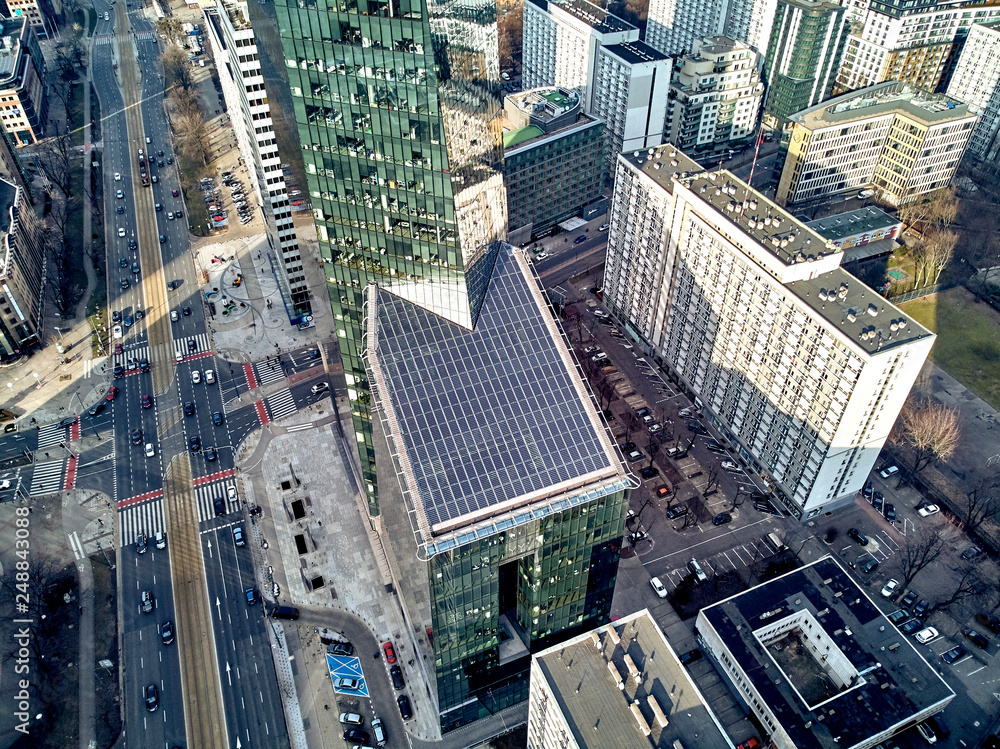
x,y
59,331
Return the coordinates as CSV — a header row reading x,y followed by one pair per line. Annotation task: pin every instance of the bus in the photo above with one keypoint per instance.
x,y
143,169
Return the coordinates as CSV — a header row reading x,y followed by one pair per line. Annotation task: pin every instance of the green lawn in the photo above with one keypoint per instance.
x,y
968,343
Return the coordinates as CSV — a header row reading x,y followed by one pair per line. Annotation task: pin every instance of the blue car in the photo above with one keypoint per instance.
x,y
581,238
251,596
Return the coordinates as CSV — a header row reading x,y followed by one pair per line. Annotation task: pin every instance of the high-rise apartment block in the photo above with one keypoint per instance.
x,y
504,494
714,95
803,56
24,101
575,44
902,40
552,158
620,685
797,362
976,81
894,137
234,48
674,25
22,272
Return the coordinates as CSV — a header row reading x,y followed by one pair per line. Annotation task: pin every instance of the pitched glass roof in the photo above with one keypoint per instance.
x,y
484,421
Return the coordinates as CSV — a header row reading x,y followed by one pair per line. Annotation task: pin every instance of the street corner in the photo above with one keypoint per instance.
x,y
347,675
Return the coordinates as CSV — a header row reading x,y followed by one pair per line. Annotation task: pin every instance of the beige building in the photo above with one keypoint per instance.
x,y
895,138
23,93
22,272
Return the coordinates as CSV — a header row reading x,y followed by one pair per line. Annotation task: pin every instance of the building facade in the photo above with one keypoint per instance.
x,y
802,366
38,14
976,81
552,158
673,26
505,504
803,56
620,685
234,47
22,273
24,102
403,160
893,137
715,96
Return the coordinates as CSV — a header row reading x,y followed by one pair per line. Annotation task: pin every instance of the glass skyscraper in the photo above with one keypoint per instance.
x,y
398,109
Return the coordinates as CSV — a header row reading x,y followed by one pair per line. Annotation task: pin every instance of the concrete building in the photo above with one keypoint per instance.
x,y
976,81
714,97
803,56
673,26
234,47
24,102
893,137
38,13
899,40
862,233
562,41
553,160
22,272
816,662
801,366
504,495
619,686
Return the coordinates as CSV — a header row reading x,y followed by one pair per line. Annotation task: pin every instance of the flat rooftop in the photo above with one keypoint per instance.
x,y
578,675
871,679
593,15
879,99
839,225
488,423
635,52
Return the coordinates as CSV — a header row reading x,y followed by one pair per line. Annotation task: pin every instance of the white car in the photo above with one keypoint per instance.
x,y
890,588
117,331
178,356
603,227
170,215
148,139
320,388
149,450
927,510
155,179
658,587
5,484
121,232
730,465
119,194
925,635
601,314
209,377
890,471
231,493
118,177
174,317
195,376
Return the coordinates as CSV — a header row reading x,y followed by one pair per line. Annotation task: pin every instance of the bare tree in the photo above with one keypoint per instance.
x,y
920,550
176,70
170,27
55,155
631,423
968,586
509,29
937,210
58,252
981,503
934,255
713,477
930,429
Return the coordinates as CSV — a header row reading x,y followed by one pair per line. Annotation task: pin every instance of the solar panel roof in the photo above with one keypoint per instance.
x,y
487,420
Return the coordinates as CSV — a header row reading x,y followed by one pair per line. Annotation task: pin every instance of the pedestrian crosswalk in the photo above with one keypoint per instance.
x,y
47,477
183,348
145,36
268,371
142,518
206,495
281,404
129,358
102,39
51,434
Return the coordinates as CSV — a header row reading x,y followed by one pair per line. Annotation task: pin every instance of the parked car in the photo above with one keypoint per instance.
x,y
858,536
890,471
390,653
868,565
925,635
971,552
889,589
722,518
690,657
908,628
978,638
927,510
396,674
955,654
661,591
405,711
868,490
340,648
676,511
909,599
649,472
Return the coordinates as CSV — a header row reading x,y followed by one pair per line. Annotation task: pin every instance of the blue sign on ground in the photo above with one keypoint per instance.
x,y
346,675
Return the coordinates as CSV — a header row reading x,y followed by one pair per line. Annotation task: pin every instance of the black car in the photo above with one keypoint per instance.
x,y
220,506
116,316
956,653
691,656
217,418
123,262
397,676
868,490
676,511
696,427
125,284
722,518
340,648
119,371
167,632
858,536
715,447
971,552
99,406
132,244
878,500
195,444
921,607
144,365
890,512
908,628
192,344
152,697
404,707
356,734
909,599
976,637
189,408
765,506
140,543
136,436
186,311
312,355
868,565
649,472
210,453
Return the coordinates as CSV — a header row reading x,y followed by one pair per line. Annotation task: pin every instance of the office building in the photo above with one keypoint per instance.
x,y
803,56
552,158
898,40
619,686
816,662
39,14
893,137
714,96
673,26
798,363
234,48
562,41
976,81
403,161
22,273
24,102
503,493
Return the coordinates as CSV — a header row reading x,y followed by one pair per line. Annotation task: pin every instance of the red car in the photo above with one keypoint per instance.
x,y
118,348
662,492
174,193
112,392
751,743
390,654
146,401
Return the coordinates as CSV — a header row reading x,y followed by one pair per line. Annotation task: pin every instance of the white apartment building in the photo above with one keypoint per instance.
x,y
561,44
800,365
234,48
673,26
894,137
976,81
715,95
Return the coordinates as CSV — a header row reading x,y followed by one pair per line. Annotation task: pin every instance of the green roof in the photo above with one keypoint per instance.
x,y
512,138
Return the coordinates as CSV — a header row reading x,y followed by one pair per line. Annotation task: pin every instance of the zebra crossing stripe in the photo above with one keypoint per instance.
x,y
205,496
146,517
51,434
281,404
47,477
268,371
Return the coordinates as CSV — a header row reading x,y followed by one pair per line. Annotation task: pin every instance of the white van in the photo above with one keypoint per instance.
x,y
699,573
774,541
379,731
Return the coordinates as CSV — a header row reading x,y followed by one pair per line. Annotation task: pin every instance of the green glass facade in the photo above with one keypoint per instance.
x,y
554,576
397,104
